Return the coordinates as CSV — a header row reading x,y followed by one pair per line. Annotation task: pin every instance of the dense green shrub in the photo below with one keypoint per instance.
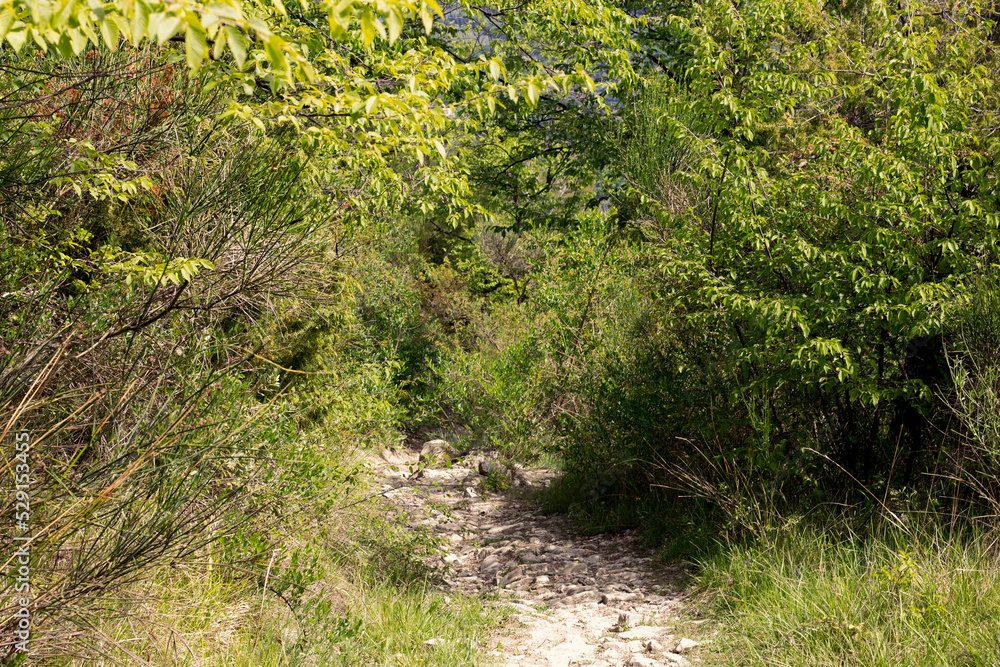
x,y
142,251
817,239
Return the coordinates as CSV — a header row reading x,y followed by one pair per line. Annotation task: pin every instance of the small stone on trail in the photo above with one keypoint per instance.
x,y
487,468
621,624
675,659
578,598
643,632
640,661
437,641
469,493
434,451
512,576
496,530
654,646
491,564
393,458
685,645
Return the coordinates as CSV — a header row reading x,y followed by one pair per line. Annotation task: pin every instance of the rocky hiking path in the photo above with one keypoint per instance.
x,y
596,601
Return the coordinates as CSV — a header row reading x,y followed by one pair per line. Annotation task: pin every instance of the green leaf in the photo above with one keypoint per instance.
x,y
110,33
275,53
237,45
435,7
65,47
395,21
367,26
194,47
342,14
140,22
225,11
17,38
6,19
167,27
39,38
41,12
123,26
153,25
496,69
533,92
89,32
258,26
426,16
219,45
61,20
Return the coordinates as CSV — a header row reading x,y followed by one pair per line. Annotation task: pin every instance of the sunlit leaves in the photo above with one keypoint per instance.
x,y
77,23
427,8
841,219
195,45
357,78
237,45
533,91
147,268
394,18
496,69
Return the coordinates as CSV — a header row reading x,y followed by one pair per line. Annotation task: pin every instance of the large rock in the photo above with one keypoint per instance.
x,y
435,452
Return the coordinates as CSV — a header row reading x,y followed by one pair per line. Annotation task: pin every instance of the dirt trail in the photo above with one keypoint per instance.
x,y
579,600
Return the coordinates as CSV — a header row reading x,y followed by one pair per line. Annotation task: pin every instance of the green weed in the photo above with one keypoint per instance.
x,y
808,597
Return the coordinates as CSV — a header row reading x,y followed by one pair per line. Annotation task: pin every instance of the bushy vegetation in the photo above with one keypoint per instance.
x,y
786,322
770,316
733,266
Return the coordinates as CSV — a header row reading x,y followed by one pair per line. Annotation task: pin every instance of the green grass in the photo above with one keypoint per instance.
x,y
919,597
203,620
393,626
371,601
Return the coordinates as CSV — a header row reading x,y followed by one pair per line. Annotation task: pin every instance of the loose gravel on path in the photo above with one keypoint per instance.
x,y
597,601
